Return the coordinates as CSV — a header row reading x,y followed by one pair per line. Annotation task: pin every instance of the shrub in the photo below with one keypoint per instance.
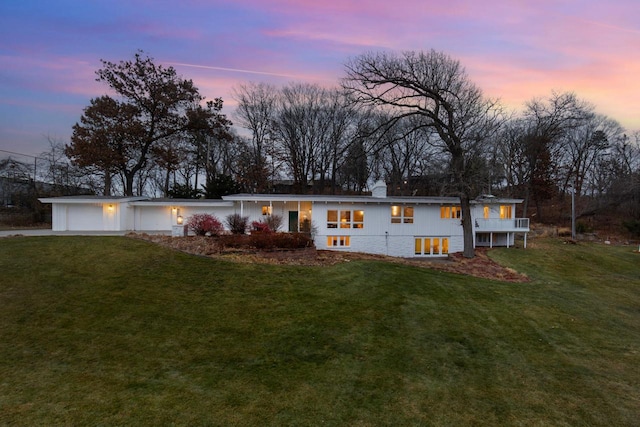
x,y
582,228
280,241
632,226
260,227
273,221
237,224
234,241
203,224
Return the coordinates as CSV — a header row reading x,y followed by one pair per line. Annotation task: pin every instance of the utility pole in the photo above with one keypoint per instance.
x,y
573,214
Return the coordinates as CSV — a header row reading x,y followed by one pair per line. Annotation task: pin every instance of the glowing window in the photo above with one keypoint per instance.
x,y
266,210
338,241
332,219
345,219
402,214
431,246
358,219
505,212
451,212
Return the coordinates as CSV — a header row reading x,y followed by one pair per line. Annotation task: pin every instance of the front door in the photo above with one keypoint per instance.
x,y
293,221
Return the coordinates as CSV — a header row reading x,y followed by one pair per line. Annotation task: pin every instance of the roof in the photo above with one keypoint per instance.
x,y
183,202
360,199
90,199
246,197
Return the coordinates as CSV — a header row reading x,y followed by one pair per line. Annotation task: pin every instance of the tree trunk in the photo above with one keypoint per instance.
x,y
128,186
107,183
167,178
467,227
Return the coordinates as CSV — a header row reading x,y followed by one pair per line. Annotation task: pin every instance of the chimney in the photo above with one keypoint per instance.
x,y
379,190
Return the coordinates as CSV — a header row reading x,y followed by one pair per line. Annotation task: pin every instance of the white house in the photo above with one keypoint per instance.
x,y
396,226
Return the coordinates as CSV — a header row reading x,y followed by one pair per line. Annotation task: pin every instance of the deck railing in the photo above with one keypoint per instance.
x,y
506,225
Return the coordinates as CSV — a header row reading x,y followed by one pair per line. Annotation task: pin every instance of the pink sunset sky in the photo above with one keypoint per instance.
x,y
514,50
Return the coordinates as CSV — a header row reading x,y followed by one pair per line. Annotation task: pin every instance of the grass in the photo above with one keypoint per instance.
x,y
115,331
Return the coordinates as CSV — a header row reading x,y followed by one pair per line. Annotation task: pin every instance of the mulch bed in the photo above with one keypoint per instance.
x,y
479,266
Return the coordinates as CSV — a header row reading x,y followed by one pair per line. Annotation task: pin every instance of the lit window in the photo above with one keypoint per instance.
x,y
345,219
486,212
338,241
332,219
358,219
431,246
451,212
505,212
418,250
402,214
266,210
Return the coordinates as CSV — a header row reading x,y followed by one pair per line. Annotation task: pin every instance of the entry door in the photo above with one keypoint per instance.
x,y
293,221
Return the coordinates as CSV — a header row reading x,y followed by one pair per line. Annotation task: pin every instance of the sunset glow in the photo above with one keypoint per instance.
x,y
513,50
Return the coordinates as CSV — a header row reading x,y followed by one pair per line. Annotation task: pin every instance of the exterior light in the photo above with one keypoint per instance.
x,y
110,207
180,220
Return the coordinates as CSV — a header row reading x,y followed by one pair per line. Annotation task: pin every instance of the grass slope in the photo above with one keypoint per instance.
x,y
115,331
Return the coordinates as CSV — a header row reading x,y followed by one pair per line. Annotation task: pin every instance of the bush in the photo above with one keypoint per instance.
x,y
237,224
633,227
204,224
260,227
280,241
274,222
582,228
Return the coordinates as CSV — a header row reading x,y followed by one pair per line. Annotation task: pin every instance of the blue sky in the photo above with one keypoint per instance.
x,y
514,50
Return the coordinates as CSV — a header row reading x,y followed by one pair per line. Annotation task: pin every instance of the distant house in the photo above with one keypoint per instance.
x,y
377,224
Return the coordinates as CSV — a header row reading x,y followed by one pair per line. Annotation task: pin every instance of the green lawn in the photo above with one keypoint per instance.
x,y
116,331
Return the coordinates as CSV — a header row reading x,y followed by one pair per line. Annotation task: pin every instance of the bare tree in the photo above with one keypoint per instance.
x,y
584,146
299,128
256,112
434,89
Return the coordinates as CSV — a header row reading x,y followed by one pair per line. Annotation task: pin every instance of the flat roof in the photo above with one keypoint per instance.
x,y
246,197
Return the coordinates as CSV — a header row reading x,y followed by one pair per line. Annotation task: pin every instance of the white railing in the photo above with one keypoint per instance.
x,y
496,224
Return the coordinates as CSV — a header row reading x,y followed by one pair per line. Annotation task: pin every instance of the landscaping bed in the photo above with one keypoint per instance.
x,y
219,247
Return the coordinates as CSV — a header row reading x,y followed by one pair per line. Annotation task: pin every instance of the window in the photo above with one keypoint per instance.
x,y
332,219
483,238
431,246
345,219
505,212
486,211
401,214
454,212
338,241
358,219
266,210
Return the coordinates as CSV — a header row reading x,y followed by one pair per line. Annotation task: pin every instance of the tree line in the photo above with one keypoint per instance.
x,y
412,119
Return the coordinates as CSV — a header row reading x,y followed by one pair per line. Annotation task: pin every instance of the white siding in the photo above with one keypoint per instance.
x,y
380,236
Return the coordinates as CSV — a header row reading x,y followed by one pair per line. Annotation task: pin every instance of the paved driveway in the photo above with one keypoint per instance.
x,y
48,232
